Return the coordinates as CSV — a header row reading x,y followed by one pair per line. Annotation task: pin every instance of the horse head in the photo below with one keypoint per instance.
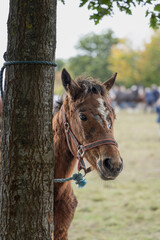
x,y
90,117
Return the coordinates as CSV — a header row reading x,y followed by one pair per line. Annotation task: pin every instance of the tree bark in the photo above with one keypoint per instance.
x,y
26,210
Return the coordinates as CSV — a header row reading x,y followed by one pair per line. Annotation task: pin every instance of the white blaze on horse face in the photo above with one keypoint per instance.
x,y
102,109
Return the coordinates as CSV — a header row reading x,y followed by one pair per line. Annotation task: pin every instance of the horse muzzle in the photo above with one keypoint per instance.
x,y
109,168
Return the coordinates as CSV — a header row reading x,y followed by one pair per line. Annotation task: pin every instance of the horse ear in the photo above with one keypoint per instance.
x,y
110,82
69,85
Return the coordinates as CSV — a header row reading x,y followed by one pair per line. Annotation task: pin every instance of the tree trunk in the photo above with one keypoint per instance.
x,y
26,210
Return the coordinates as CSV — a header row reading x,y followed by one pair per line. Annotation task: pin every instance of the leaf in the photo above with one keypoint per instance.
x,y
83,2
62,1
96,18
128,11
153,21
147,13
157,8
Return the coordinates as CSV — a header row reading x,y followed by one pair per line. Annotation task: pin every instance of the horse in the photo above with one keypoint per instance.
x,y
129,97
83,131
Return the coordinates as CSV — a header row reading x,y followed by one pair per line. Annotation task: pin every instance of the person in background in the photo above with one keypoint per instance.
x,y
155,91
149,98
158,112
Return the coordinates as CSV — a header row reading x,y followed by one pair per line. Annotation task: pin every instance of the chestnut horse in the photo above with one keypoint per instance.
x,y
86,114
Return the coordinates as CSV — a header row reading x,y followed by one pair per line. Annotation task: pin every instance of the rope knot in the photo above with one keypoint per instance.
x,y
79,180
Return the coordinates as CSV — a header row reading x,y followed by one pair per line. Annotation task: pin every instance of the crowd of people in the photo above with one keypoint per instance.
x,y
135,97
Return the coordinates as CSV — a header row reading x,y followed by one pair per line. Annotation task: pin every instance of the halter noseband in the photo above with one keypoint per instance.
x,y
81,149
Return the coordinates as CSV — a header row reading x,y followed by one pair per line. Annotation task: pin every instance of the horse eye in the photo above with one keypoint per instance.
x,y
94,90
83,117
109,124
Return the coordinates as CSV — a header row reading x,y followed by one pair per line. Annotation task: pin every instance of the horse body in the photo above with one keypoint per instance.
x,y
64,200
90,117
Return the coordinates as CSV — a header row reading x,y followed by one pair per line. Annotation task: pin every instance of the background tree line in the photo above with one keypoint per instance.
x,y
101,55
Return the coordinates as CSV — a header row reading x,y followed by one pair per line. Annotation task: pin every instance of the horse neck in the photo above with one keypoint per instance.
x,y
64,160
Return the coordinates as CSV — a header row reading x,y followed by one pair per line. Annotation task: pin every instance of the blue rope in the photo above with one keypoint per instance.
x,y
21,62
77,177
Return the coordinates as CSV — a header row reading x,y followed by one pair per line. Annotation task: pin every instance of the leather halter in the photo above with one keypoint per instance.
x,y
81,149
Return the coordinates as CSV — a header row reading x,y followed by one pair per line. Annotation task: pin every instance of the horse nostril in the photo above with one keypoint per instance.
x,y
120,166
107,163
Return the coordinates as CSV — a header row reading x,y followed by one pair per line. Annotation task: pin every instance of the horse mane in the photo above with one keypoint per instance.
x,y
57,105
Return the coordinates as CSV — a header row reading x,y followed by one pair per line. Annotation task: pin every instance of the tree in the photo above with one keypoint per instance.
x,y
137,67
148,63
27,142
95,50
123,59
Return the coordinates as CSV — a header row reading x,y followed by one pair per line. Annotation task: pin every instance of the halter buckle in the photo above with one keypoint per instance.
x,y
81,151
66,126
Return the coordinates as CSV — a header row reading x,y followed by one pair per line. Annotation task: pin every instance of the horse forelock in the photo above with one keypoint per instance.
x,y
90,85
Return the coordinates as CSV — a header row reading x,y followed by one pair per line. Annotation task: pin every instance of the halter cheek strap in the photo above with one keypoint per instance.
x,y
81,149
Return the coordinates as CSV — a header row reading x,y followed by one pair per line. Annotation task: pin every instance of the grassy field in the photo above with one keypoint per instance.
x,y
127,208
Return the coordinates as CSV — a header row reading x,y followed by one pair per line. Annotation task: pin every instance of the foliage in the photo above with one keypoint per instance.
x,y
93,60
148,63
58,88
97,45
137,67
101,8
60,64
123,59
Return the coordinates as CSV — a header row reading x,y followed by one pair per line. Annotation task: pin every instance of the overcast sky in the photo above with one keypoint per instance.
x,y
73,22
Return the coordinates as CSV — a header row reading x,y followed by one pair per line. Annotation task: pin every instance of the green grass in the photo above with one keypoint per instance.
x,y
127,208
